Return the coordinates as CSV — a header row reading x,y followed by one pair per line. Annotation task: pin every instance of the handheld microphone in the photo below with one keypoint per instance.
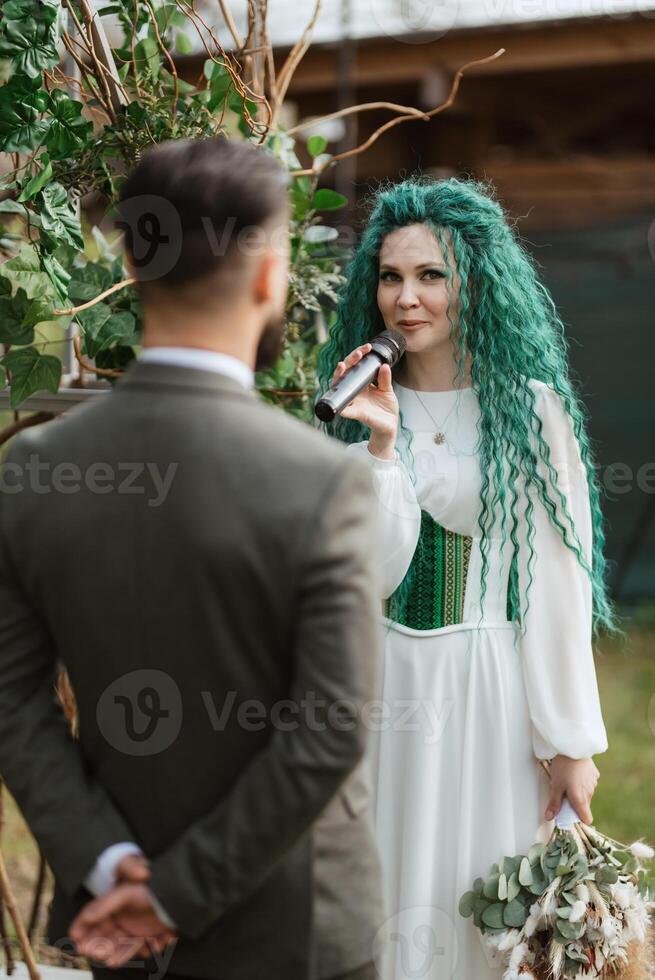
x,y
387,348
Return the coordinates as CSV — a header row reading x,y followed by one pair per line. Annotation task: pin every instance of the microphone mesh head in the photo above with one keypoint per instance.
x,y
395,340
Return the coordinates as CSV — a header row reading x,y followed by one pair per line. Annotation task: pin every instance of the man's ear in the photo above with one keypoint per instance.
x,y
264,280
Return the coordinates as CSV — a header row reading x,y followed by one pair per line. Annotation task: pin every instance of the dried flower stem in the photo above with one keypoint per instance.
x,y
167,55
89,49
96,299
293,59
365,107
229,20
224,61
103,372
9,900
103,57
400,119
37,897
86,74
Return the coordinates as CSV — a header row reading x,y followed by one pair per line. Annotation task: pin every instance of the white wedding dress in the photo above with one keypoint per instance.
x,y
465,711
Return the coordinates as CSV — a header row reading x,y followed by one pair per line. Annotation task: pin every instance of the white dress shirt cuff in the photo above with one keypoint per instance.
x,y
102,876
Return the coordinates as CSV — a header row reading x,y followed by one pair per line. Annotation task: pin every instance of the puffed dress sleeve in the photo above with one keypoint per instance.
x,y
556,646
399,515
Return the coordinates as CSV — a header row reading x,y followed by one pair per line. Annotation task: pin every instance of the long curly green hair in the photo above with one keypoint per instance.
x,y
508,324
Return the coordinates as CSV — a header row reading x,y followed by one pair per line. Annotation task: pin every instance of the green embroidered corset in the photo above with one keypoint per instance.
x,y
438,580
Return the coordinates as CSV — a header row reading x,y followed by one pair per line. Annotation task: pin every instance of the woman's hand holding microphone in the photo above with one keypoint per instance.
x,y
375,406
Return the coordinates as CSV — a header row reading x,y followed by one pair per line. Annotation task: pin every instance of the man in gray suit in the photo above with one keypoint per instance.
x,y
203,565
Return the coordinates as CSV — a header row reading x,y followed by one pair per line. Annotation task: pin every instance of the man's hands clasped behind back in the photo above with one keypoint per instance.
x,y
122,924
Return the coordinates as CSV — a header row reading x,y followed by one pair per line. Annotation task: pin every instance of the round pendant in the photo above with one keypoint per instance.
x,y
439,438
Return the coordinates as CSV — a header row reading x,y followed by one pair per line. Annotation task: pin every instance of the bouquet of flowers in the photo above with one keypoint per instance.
x,y
577,907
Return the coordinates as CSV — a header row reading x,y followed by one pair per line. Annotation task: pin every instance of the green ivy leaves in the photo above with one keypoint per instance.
x,y
88,282
58,218
222,92
68,155
44,279
103,328
19,315
25,271
107,324
29,32
58,276
33,300
22,101
316,145
30,117
30,372
109,329
147,56
327,200
60,228
68,131
38,181
15,327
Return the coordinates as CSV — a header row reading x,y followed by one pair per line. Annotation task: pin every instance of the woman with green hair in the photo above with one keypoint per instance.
x,y
491,558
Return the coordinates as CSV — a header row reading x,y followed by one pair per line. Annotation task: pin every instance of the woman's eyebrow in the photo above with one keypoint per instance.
x,y
422,265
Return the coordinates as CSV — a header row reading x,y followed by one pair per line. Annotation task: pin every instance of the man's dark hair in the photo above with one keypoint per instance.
x,y
185,203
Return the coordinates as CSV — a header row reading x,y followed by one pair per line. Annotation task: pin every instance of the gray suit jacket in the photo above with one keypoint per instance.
x,y
203,566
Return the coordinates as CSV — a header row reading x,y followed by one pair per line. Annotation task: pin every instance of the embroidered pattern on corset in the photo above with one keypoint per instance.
x,y
437,596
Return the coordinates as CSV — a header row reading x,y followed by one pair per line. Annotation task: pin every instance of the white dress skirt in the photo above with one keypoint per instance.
x,y
465,710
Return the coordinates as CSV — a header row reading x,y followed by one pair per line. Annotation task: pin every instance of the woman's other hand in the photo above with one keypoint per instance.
x,y
376,406
575,778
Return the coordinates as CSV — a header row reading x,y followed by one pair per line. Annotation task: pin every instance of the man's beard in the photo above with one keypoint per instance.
x,y
269,350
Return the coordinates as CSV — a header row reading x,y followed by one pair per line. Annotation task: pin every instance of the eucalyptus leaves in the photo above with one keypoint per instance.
x,y
577,907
